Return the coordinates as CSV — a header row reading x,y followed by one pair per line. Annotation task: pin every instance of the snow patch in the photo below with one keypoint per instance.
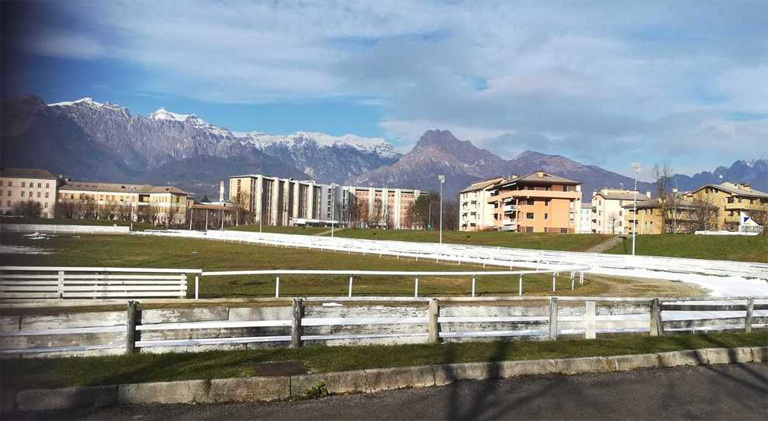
x,y
9,249
89,103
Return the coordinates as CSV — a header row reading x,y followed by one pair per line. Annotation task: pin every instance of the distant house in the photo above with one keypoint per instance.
x,y
18,185
154,204
537,202
732,200
607,209
476,214
657,216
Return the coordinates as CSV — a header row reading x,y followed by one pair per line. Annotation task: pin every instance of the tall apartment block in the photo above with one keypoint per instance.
x,y
283,202
537,202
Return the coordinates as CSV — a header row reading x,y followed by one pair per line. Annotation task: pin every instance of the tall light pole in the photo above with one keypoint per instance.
x,y
636,166
442,180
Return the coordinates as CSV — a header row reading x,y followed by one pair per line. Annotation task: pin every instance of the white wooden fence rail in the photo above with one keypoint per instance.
x,y
515,275
41,283
342,321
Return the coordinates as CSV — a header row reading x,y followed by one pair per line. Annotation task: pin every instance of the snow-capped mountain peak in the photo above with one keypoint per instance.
x,y
89,103
163,114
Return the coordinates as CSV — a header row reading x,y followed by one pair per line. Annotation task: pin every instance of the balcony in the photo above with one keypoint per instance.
x,y
509,208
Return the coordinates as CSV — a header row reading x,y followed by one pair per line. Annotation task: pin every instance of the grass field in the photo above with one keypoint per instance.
x,y
137,226
570,242
160,252
282,230
136,368
738,248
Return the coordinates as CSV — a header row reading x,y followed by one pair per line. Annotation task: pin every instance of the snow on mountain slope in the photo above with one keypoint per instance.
x,y
376,145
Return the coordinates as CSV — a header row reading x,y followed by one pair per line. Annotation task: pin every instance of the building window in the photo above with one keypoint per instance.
x,y
9,203
39,185
47,185
529,215
1,182
546,216
9,193
730,200
22,194
38,194
23,184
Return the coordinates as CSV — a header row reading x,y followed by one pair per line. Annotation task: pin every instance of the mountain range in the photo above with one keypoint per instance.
x,y
95,141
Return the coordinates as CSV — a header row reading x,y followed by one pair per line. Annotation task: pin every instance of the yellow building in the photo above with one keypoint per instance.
x,y
154,204
681,217
19,185
731,200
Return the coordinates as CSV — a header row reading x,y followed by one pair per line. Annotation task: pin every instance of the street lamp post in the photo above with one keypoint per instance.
x,y
636,166
442,180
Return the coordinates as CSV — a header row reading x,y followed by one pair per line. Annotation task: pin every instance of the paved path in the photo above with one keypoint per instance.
x,y
605,245
732,392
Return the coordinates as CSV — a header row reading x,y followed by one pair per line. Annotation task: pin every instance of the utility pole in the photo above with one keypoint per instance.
x,y
442,180
636,166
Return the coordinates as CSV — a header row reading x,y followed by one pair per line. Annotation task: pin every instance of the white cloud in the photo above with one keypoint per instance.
x,y
599,81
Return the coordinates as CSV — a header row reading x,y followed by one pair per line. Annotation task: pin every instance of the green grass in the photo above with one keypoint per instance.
x,y
569,242
736,248
137,226
166,252
281,230
89,371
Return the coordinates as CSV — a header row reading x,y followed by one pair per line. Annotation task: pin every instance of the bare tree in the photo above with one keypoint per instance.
x,y
241,202
760,216
662,175
65,209
702,215
375,217
613,218
28,208
362,212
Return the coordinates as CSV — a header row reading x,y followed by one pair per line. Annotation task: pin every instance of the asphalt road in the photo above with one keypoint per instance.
x,y
732,392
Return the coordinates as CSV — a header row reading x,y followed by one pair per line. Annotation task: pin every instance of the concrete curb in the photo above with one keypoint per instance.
x,y
255,389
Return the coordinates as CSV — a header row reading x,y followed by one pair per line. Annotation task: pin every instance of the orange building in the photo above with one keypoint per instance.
x,y
537,202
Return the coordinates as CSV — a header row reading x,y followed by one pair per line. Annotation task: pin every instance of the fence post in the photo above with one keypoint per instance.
x,y
573,279
554,281
473,285
297,307
553,318
277,287
61,284
433,325
656,328
416,287
581,278
197,287
748,319
520,286
130,327
590,320
350,286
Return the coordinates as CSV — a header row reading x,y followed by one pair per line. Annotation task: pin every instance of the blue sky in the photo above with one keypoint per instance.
x,y
602,82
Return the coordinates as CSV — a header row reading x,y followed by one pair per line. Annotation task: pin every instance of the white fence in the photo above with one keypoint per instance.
x,y
157,326
723,278
65,229
517,275
40,283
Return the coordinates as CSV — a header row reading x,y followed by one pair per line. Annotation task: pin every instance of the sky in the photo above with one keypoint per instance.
x,y
601,82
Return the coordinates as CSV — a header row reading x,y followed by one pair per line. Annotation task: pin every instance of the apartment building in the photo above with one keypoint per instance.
x,y
153,204
284,202
537,202
24,184
657,217
731,200
607,209
585,219
475,213
380,207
